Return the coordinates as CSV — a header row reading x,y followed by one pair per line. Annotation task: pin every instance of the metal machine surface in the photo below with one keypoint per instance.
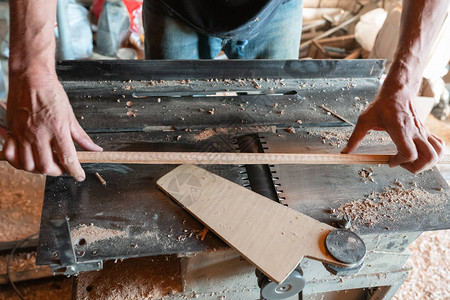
x,y
223,106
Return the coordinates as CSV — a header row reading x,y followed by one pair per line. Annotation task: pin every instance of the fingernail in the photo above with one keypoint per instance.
x,y
79,179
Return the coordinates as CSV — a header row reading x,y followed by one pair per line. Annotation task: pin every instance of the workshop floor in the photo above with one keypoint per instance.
x,y
20,217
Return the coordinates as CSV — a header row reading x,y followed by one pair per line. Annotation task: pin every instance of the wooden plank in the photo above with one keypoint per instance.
x,y
354,55
271,236
225,158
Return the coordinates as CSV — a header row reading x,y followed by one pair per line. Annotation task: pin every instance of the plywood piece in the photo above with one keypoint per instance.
x,y
271,236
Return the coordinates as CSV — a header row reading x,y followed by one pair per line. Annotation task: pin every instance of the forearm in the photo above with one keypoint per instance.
x,y
420,23
32,42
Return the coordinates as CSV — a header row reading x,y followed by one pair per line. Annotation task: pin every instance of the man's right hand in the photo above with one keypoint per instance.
x,y
42,127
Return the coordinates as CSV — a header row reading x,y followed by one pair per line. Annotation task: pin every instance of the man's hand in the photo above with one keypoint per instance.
x,y
393,111
41,126
393,108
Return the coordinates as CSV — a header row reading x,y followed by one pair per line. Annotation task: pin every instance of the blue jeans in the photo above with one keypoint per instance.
x,y
169,38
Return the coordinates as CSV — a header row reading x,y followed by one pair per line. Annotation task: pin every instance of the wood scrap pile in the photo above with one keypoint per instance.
x,y
328,30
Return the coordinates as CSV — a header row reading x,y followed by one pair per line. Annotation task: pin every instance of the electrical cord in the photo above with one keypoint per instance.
x,y
11,255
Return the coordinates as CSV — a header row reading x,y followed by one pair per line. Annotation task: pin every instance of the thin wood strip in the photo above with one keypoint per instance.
x,y
225,158
337,115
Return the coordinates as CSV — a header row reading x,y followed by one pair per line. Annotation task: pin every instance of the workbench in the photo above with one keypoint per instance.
x,y
268,106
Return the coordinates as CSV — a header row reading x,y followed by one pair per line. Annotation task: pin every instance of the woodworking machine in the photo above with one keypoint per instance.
x,y
263,106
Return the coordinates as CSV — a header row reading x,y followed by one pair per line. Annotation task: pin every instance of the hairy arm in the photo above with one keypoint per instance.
x,y
393,109
41,123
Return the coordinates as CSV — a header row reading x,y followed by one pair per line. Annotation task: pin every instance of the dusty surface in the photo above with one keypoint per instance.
x,y
430,276
143,278
21,197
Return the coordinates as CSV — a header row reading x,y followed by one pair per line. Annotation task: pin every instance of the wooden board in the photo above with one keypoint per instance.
x,y
269,235
223,158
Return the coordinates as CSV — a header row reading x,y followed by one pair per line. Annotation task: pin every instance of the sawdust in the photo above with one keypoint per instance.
x,y
205,134
55,288
141,278
339,138
21,197
377,207
91,233
20,262
430,277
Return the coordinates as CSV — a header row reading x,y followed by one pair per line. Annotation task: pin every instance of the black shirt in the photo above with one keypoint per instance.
x,y
228,19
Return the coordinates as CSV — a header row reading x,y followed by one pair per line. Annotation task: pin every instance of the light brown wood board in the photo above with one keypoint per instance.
x,y
271,236
230,158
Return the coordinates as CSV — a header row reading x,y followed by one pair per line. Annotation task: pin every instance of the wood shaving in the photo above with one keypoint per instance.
x,y
430,259
366,175
377,207
290,129
131,113
100,178
202,234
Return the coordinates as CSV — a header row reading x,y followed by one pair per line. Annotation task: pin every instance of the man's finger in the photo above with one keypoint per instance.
x,y
357,137
439,139
82,139
67,156
26,158
45,160
427,157
11,152
406,149
438,145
